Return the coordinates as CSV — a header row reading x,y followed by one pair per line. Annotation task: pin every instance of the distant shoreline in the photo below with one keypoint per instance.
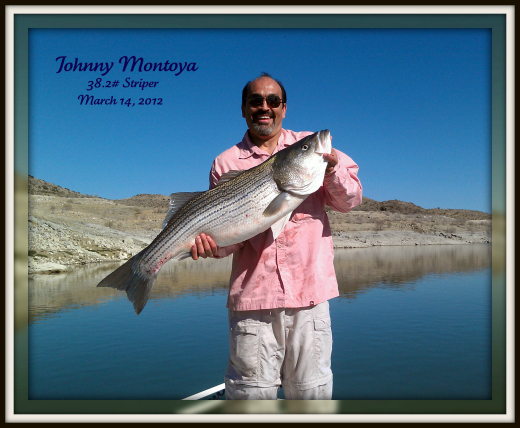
x,y
67,228
406,238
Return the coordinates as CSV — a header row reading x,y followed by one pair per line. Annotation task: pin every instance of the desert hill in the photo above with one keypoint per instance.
x,y
40,187
67,227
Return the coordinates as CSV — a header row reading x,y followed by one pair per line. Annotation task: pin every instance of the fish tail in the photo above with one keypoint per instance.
x,y
135,281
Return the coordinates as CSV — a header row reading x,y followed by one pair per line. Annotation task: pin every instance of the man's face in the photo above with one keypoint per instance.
x,y
264,121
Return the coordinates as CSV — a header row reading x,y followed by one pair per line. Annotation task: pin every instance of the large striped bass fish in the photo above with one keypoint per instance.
x,y
242,205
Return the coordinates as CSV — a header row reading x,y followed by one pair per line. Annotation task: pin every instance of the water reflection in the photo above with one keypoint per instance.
x,y
357,270
399,267
49,294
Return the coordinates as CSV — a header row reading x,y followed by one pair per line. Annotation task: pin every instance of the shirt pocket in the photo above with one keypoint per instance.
x,y
310,209
301,218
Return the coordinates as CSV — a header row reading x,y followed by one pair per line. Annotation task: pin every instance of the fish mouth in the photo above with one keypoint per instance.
x,y
323,144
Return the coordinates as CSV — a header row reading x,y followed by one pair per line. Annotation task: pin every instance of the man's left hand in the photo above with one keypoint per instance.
x,y
332,160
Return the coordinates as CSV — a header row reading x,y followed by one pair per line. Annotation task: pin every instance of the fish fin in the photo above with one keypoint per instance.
x,y
182,256
136,282
232,173
279,225
177,201
277,205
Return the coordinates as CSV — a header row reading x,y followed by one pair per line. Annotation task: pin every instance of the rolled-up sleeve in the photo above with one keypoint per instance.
x,y
343,190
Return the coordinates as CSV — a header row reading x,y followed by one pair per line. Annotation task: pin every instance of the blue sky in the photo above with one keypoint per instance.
x,y
411,106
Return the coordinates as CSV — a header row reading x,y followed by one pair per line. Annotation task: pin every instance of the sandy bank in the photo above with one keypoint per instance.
x,y
391,238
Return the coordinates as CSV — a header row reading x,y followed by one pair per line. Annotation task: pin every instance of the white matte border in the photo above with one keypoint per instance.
x,y
10,11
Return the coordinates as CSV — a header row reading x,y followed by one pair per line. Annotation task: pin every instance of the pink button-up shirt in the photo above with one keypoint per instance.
x,y
296,269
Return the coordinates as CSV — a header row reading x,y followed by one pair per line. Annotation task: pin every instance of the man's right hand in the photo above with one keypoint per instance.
x,y
204,247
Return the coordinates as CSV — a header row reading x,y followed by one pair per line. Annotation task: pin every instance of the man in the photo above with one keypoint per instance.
x,y
279,317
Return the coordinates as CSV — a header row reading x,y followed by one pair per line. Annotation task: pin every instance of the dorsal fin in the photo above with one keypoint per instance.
x,y
177,201
232,173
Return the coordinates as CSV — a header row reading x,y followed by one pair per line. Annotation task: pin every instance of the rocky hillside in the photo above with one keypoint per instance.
x,y
149,201
66,227
395,206
40,187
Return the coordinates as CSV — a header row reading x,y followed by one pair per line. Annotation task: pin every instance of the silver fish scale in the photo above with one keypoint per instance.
x,y
232,212
238,201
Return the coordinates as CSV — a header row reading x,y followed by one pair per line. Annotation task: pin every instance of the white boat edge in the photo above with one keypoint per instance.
x,y
207,392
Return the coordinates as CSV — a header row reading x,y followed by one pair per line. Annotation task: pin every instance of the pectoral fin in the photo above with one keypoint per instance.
x,y
279,225
277,205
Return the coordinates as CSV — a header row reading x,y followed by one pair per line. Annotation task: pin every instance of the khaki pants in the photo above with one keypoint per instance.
x,y
273,347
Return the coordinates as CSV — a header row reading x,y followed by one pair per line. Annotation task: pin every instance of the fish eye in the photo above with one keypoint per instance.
x,y
305,147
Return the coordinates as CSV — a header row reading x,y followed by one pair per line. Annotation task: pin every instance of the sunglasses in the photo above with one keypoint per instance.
x,y
273,101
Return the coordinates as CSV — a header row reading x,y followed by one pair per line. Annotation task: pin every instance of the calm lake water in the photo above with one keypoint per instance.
x,y
411,323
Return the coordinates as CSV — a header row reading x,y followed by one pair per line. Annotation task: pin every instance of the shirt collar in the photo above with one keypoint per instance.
x,y
247,148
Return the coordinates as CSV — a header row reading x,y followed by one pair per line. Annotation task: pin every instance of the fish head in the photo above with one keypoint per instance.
x,y
299,169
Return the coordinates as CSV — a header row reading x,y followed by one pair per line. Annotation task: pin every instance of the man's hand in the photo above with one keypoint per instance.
x,y
204,247
332,160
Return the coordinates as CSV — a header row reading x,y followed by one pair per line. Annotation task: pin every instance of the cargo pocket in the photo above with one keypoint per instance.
x,y
323,345
244,351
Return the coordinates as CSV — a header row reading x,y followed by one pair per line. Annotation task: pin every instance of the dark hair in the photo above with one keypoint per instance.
x,y
264,74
